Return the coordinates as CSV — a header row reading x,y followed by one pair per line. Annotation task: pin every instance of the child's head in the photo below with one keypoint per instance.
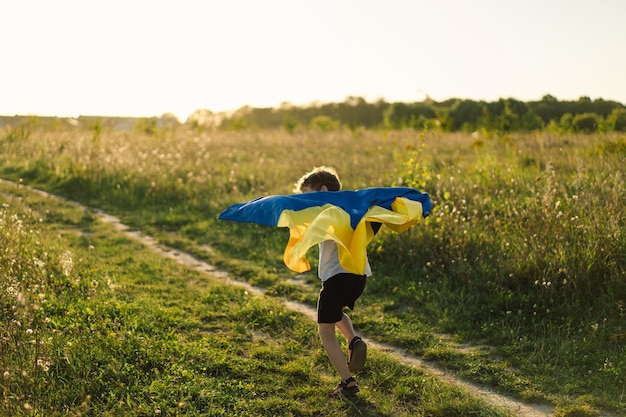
x,y
320,178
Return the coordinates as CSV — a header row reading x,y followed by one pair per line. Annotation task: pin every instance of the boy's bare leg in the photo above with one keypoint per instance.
x,y
359,351
345,327
333,350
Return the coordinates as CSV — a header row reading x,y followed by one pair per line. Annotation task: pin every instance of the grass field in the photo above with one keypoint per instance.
x,y
523,259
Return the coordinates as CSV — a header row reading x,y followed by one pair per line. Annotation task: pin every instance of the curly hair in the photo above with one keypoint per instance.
x,y
317,178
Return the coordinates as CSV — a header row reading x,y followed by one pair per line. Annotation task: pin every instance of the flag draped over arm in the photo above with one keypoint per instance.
x,y
345,217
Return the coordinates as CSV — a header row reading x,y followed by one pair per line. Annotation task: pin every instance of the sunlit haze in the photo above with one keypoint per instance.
x,y
146,58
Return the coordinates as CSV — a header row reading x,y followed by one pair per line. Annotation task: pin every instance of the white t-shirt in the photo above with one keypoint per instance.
x,y
329,265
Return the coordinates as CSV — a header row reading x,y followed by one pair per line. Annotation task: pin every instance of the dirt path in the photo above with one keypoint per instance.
x,y
514,406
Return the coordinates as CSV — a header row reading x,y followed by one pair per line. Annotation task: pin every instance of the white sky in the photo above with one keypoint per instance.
x,y
146,58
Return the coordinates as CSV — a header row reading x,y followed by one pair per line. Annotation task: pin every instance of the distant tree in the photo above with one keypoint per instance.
x,y
452,114
168,120
548,109
402,115
566,122
553,127
586,122
515,115
603,107
517,107
509,119
617,120
289,122
204,118
531,121
264,117
464,114
396,116
507,115
355,112
583,105
324,123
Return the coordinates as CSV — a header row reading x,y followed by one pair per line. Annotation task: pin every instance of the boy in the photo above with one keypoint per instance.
x,y
340,289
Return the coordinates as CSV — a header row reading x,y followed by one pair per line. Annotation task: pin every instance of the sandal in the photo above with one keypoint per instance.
x,y
343,389
357,350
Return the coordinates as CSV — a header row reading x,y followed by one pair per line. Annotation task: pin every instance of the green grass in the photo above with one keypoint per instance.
x,y
523,254
95,324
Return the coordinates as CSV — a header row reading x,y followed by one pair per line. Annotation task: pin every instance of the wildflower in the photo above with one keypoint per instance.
x,y
66,262
43,365
6,375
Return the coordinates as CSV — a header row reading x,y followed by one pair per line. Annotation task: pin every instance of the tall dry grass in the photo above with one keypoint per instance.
x,y
524,248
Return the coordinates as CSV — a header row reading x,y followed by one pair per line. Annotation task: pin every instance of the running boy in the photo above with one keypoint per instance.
x,y
340,289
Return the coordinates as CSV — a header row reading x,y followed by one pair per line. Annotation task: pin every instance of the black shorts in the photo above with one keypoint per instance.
x,y
337,292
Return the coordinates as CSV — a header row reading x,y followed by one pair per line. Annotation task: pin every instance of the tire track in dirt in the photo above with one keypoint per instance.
x,y
516,407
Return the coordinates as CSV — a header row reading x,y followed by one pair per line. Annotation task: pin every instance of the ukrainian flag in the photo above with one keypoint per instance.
x,y
350,218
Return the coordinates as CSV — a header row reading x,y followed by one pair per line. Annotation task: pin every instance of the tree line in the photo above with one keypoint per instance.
x,y
504,115
453,115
